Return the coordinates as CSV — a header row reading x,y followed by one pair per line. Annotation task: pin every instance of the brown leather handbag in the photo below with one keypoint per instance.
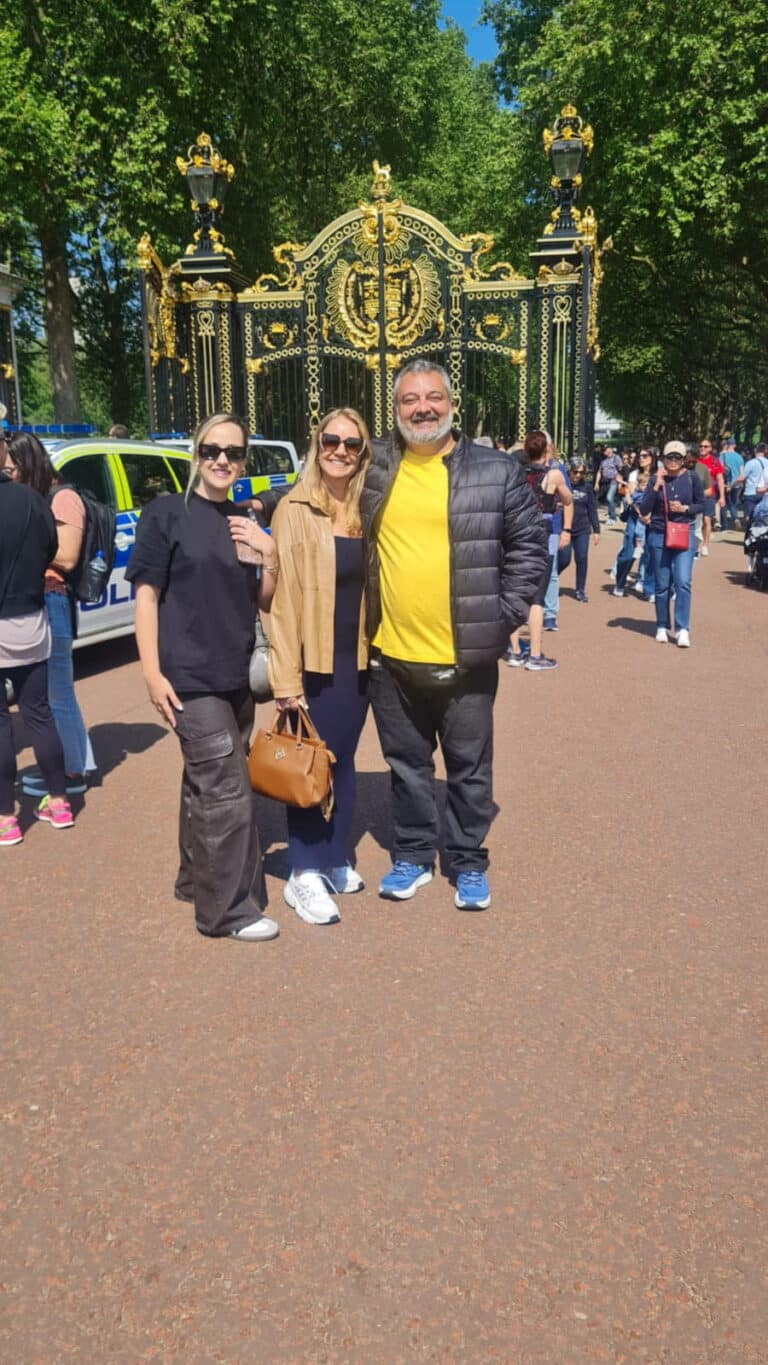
x,y
292,765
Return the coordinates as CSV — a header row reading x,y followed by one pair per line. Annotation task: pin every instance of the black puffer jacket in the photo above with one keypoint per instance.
x,y
498,544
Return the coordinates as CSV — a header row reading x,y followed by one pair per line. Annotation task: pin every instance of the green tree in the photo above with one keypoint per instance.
x,y
678,176
96,100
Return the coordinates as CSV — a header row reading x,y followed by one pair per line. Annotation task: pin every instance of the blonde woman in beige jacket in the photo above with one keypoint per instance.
x,y
318,650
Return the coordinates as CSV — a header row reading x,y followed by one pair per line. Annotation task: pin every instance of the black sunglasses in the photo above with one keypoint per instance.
x,y
330,441
233,454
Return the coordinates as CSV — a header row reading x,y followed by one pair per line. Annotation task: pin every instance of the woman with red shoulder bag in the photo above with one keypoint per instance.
x,y
672,500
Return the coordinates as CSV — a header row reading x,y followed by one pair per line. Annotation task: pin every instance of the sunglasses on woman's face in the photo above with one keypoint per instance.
x,y
352,444
232,454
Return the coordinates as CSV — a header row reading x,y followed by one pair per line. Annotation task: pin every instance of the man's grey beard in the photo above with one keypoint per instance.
x,y
419,435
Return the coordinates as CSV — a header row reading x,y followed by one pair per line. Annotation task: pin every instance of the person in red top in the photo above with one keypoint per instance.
x,y
714,494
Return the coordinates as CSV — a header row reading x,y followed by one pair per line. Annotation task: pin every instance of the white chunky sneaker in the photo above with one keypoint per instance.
x,y
683,639
259,929
662,636
307,894
344,880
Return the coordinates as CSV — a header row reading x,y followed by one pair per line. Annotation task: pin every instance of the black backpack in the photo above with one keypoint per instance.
x,y
86,582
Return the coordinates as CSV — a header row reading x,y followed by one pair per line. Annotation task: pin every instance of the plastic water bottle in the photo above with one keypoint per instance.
x,y
97,577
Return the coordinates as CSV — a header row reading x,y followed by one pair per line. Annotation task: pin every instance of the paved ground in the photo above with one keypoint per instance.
x,y
533,1135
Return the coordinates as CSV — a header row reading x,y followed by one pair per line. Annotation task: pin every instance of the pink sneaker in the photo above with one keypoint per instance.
x,y
57,813
10,833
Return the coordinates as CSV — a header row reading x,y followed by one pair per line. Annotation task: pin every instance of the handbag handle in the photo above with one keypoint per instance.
x,y
304,729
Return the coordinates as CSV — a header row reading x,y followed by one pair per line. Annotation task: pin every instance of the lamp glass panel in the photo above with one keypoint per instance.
x,y
566,157
200,180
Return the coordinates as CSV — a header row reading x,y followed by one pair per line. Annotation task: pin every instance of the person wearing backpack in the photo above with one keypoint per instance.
x,y
551,491
32,465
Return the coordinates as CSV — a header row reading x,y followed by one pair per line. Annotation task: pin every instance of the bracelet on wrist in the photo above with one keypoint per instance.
x,y
271,568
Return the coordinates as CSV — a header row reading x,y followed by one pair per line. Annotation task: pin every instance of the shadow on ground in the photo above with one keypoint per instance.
x,y
629,623
372,816
93,659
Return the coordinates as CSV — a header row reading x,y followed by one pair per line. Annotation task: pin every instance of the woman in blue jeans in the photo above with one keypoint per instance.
x,y
634,540
32,465
676,496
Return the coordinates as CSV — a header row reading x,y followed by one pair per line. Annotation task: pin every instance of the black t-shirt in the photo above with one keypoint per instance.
x,y
207,597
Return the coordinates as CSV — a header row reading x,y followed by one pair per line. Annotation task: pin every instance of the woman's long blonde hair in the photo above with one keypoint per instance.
x,y
312,477
206,426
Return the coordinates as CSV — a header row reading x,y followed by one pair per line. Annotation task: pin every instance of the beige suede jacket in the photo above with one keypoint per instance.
x,y
300,625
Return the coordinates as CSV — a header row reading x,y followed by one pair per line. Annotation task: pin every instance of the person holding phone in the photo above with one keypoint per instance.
x,y
673,495
195,610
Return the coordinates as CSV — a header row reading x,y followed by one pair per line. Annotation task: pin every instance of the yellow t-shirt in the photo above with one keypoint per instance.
x,y
414,564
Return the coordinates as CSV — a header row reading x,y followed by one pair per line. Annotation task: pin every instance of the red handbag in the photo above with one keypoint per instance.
x,y
677,534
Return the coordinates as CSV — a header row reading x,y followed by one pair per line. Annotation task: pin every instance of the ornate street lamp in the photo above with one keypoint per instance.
x,y
566,144
208,176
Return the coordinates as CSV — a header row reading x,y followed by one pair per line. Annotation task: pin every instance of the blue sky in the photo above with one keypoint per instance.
x,y
481,43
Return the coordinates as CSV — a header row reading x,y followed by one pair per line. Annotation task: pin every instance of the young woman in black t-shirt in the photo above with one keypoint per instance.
x,y
195,611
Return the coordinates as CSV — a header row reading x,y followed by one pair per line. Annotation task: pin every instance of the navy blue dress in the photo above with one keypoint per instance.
x,y
337,704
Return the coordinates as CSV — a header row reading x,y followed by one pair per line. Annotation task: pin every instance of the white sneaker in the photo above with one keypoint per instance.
x,y
307,894
662,637
618,592
263,928
344,880
683,639
704,550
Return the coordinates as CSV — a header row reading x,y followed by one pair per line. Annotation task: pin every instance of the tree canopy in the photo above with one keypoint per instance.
x,y
678,176
97,99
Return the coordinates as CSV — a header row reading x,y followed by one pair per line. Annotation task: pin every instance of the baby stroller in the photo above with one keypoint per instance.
x,y
756,549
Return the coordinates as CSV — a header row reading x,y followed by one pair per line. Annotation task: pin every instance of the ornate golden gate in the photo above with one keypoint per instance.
x,y
383,283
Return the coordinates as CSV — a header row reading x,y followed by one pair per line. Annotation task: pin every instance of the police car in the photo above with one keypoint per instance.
x,y
126,475
271,463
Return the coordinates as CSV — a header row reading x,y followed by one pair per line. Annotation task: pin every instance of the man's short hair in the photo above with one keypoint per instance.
x,y
117,431
422,365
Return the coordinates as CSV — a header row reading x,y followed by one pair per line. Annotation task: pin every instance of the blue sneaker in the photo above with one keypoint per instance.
x,y
404,880
472,891
514,660
538,663
550,623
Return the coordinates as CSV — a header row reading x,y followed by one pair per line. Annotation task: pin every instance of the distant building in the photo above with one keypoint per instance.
x,y
605,425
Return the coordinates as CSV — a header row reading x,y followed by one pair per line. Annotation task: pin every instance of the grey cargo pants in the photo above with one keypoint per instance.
x,y
219,851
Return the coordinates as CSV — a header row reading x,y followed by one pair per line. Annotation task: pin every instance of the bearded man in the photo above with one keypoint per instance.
x,y
456,549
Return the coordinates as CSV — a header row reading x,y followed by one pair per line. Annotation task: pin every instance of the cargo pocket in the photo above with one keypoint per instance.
x,y
213,767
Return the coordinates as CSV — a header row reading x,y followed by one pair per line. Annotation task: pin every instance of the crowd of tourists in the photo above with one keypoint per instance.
x,y
396,573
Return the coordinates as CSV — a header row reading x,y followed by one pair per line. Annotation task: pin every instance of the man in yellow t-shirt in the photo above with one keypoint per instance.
x,y
456,549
